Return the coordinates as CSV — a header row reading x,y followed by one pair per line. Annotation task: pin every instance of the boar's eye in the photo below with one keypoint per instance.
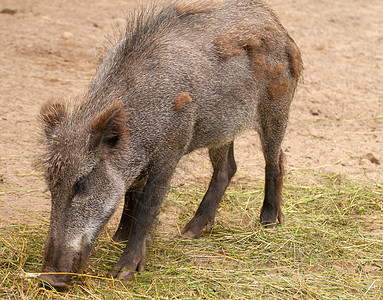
x,y
79,186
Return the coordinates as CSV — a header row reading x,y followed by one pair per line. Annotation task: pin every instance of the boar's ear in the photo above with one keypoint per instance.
x,y
109,128
52,113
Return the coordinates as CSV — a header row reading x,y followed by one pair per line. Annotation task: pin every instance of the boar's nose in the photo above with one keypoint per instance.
x,y
58,281
54,271
59,265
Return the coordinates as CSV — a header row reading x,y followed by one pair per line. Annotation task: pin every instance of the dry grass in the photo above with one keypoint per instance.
x,y
330,247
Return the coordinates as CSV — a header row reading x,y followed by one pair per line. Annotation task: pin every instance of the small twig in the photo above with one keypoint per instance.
x,y
319,167
372,284
362,119
363,132
34,275
33,173
22,212
199,251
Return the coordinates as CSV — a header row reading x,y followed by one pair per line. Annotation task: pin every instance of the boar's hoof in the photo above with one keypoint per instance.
x,y
270,218
127,270
123,274
268,225
191,234
194,228
56,281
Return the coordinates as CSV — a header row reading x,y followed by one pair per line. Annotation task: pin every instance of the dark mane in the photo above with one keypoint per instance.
x,y
145,27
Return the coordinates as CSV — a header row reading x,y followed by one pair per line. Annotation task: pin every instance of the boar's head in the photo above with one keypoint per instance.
x,y
84,162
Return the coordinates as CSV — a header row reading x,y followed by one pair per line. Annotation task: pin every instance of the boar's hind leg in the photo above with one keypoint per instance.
x,y
272,132
145,212
271,208
131,198
224,166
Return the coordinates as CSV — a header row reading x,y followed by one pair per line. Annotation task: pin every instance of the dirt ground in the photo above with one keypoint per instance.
x,y
49,49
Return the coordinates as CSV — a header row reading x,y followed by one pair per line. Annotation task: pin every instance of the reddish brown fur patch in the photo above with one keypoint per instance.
x,y
182,99
52,112
273,30
237,41
279,83
259,64
256,43
228,47
295,59
246,39
194,7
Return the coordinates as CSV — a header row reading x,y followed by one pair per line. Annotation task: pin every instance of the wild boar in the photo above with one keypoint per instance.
x,y
186,76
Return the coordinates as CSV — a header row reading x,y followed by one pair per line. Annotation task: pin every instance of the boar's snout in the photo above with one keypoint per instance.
x,y
61,261
58,268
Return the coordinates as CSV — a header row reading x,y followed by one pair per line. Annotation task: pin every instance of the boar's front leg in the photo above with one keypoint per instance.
x,y
131,198
222,159
145,212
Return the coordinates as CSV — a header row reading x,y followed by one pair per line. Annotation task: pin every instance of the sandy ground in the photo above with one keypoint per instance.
x,y
49,49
